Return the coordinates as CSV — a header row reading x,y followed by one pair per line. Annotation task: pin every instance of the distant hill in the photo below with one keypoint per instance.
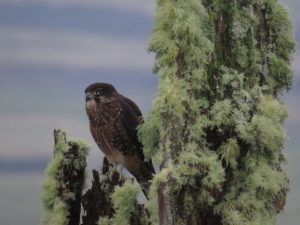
x,y
23,166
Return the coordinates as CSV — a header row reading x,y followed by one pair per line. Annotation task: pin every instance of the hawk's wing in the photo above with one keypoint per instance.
x,y
131,120
134,107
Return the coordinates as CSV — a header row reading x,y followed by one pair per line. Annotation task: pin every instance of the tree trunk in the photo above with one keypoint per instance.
x,y
72,180
222,65
97,201
66,176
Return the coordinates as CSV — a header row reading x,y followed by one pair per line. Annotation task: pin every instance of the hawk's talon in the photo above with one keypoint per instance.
x,y
116,174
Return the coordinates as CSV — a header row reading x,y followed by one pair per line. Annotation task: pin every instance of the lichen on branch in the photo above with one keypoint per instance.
x,y
62,190
217,124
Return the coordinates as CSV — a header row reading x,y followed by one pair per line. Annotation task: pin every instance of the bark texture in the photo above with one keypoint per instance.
x,y
72,179
217,124
97,201
62,191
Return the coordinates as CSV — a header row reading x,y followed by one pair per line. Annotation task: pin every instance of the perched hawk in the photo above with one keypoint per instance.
x,y
113,124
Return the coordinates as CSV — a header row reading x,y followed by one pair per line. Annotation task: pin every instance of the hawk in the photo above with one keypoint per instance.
x,y
113,122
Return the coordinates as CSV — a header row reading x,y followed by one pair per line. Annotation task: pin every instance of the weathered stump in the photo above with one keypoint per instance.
x,y
97,201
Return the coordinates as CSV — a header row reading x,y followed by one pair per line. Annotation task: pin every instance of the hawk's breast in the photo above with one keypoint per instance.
x,y
109,133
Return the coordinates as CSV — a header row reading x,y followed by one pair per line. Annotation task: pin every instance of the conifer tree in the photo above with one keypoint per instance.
x,y
216,129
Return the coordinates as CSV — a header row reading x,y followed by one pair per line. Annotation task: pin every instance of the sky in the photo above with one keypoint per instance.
x,y
50,50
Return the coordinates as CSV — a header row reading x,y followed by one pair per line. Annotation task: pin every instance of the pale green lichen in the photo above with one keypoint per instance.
x,y
152,204
125,200
56,209
229,152
105,221
58,214
222,65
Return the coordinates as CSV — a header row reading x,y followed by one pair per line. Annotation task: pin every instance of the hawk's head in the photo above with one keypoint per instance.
x,y
99,92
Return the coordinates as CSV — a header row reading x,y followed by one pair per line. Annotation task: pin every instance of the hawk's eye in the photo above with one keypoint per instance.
x,y
98,92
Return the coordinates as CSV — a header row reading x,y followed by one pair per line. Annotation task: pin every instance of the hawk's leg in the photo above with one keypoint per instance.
x,y
119,169
116,174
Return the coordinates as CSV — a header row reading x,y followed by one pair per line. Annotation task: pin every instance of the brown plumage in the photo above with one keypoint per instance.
x,y
113,124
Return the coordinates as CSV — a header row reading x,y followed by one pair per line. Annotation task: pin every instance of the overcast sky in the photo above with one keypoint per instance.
x,y
50,50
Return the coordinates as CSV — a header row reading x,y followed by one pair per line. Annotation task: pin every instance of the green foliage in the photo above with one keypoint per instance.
x,y
217,123
230,152
125,200
272,108
271,134
195,163
153,138
221,113
281,30
54,193
105,221
54,208
283,45
152,204
58,214
83,147
260,185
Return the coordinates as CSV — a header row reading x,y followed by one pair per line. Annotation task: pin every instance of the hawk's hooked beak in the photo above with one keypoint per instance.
x,y
89,96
